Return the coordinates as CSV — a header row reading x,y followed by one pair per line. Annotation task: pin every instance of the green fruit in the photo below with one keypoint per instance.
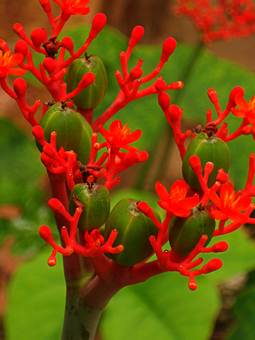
x,y
134,230
92,96
73,131
208,149
185,233
66,123
96,201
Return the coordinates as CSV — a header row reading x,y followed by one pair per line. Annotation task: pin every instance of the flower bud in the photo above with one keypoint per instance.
x,y
164,101
37,37
67,43
98,23
137,34
169,46
20,87
21,47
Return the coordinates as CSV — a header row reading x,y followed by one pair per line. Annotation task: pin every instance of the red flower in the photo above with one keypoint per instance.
x,y
119,137
245,109
229,204
74,7
7,63
175,201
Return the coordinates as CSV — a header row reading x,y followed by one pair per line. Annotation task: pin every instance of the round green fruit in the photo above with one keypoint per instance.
x,y
185,233
96,201
90,97
208,149
134,230
73,131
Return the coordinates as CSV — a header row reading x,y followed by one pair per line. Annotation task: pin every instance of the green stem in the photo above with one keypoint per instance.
x,y
81,320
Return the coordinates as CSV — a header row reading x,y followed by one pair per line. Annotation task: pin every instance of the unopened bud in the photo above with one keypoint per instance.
x,y
220,247
209,167
160,85
98,23
56,205
222,176
20,87
195,163
136,35
21,47
67,43
236,90
135,73
87,80
45,5
37,37
169,46
174,112
49,64
212,265
45,233
212,96
142,156
164,101
19,30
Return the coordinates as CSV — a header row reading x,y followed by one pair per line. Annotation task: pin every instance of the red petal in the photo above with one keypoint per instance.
x,y
190,202
16,59
242,204
219,215
180,211
17,71
133,136
239,113
226,189
238,217
161,191
104,132
241,102
116,124
163,205
181,188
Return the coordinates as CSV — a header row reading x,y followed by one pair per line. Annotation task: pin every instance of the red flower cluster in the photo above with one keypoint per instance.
x,y
8,61
228,19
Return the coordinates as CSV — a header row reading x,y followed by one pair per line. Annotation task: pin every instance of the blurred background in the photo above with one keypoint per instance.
x,y
211,311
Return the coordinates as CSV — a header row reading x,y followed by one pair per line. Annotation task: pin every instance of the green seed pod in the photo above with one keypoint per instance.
x,y
134,230
96,201
66,123
92,96
185,233
73,131
208,149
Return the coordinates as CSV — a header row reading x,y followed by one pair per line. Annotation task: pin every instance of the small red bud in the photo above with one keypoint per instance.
x,y
220,247
212,265
98,23
21,47
209,167
169,46
67,43
19,30
45,5
20,87
37,131
177,85
247,130
164,101
222,176
45,233
38,37
49,64
195,163
87,80
144,207
212,96
135,73
56,205
136,35
160,85
142,156
174,112
3,46
49,150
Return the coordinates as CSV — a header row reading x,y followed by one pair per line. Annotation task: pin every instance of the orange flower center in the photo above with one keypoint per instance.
x,y
229,200
177,194
251,105
5,59
122,133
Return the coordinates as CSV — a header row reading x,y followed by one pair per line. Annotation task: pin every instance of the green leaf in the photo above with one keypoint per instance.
x,y
36,301
163,307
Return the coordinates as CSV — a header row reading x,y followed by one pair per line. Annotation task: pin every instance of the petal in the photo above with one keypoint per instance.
x,y
226,190
164,205
179,187
241,102
16,59
242,204
238,217
190,202
133,136
180,211
116,124
219,215
239,113
128,147
104,132
161,191
214,198
17,71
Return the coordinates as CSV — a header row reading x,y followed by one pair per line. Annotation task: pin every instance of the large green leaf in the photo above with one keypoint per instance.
x,y
37,300
20,171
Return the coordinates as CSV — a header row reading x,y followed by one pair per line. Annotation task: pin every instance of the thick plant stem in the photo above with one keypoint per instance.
x,y
81,320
